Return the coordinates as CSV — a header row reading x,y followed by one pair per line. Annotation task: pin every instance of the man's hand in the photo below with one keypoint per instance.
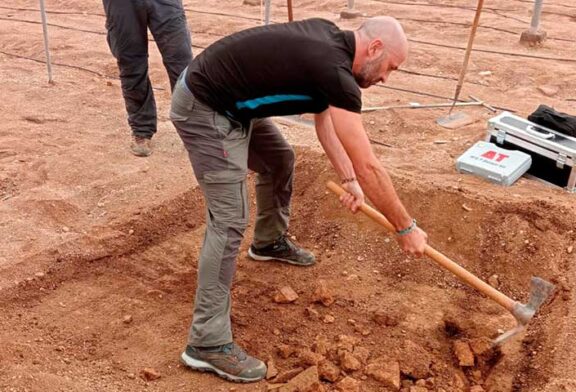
x,y
354,197
414,243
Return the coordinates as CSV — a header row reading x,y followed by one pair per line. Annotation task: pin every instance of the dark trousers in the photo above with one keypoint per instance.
x,y
127,22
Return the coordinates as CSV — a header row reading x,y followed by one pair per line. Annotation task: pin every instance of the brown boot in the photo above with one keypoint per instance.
x,y
228,361
141,146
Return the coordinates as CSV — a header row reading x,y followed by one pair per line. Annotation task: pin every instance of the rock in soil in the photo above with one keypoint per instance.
x,y
329,319
348,384
149,374
464,353
321,345
309,358
322,294
288,375
418,360
476,388
285,295
328,371
384,318
306,381
385,371
362,353
311,313
272,370
285,351
494,281
346,343
349,362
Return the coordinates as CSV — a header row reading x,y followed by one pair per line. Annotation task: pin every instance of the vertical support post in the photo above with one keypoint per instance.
x,y
46,47
267,5
290,13
535,24
350,12
534,36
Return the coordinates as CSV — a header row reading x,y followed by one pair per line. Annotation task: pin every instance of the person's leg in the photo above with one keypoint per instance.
x,y
168,25
126,22
272,157
218,151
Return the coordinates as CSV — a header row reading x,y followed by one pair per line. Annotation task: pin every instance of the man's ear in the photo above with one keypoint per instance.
x,y
375,48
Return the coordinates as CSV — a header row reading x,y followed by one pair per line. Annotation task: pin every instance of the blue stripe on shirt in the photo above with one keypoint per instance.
x,y
270,99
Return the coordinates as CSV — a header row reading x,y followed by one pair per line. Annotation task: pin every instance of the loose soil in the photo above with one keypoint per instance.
x,y
99,249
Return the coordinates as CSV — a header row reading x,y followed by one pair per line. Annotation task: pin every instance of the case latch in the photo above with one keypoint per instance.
x,y
500,136
561,160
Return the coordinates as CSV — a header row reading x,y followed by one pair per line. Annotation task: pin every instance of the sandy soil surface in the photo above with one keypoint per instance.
x,y
99,249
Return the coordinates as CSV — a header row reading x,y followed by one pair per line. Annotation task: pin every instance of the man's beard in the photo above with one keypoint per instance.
x,y
368,75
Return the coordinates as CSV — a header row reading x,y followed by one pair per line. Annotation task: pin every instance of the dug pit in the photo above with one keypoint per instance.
x,y
112,309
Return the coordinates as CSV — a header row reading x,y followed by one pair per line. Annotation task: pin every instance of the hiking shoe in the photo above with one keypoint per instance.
x,y
284,250
141,146
228,361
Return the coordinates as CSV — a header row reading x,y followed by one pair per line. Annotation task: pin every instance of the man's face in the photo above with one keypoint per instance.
x,y
377,68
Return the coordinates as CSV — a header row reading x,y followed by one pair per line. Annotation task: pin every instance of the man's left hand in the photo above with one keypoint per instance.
x,y
354,196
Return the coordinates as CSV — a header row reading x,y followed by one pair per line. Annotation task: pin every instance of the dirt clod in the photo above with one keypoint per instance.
x,y
271,371
285,295
287,375
322,294
494,281
417,360
463,353
349,362
346,343
309,358
348,384
329,319
285,351
385,318
385,371
328,371
306,381
149,374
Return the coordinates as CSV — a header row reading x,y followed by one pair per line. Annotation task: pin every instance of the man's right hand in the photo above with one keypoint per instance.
x,y
414,243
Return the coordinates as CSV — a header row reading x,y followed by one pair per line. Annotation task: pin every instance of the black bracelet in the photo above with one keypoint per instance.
x,y
347,180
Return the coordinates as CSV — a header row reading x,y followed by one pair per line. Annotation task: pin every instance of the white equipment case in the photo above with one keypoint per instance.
x,y
553,153
496,164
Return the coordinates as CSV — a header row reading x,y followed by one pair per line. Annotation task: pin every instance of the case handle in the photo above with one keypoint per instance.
x,y
531,129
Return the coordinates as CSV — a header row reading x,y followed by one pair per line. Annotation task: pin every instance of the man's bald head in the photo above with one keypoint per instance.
x,y
381,46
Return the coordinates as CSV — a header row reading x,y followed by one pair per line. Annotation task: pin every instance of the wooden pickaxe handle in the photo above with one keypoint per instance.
x,y
445,262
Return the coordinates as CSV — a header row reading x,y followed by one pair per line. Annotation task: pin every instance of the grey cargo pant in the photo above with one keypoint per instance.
x,y
127,22
221,151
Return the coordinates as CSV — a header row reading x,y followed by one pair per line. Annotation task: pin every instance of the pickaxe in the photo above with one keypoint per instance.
x,y
540,289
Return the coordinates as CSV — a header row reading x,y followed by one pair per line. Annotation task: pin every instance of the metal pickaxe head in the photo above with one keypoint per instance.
x,y
540,291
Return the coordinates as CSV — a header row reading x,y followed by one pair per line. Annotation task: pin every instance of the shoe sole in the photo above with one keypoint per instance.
x,y
267,258
202,366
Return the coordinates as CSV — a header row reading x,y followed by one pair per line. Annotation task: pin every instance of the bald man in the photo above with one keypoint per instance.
x,y
221,108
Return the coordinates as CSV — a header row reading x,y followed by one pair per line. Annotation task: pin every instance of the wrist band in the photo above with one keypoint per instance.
x,y
407,230
347,180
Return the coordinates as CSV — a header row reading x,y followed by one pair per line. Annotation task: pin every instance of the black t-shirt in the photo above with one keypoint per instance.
x,y
280,69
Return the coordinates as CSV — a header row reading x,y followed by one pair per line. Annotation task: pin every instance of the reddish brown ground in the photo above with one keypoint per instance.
x,y
91,234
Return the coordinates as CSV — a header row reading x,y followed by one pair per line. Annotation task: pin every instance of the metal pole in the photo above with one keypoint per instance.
x,y
534,36
536,15
267,4
46,48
